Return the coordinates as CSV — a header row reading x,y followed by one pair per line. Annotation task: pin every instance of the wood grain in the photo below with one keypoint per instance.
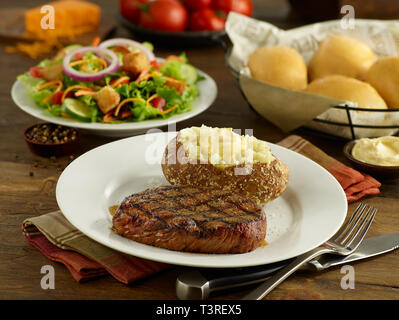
x,y
27,188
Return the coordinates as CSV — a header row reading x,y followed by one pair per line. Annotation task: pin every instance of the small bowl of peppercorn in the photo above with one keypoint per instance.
x,y
49,139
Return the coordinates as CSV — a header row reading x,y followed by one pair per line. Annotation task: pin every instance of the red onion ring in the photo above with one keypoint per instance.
x,y
109,56
127,42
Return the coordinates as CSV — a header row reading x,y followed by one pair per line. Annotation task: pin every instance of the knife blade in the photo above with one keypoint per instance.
x,y
200,283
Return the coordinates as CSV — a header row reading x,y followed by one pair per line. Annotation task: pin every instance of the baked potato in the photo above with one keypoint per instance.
x,y
218,157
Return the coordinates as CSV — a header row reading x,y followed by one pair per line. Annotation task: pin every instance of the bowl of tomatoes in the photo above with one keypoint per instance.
x,y
180,22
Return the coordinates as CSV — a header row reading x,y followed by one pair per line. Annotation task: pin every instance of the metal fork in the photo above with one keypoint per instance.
x,y
344,242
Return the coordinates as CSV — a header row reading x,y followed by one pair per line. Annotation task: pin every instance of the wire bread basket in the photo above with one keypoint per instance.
x,y
344,120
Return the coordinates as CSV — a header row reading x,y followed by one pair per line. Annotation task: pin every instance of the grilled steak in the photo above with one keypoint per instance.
x,y
186,218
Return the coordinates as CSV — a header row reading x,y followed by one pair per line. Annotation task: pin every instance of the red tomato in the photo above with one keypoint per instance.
x,y
159,103
194,5
206,19
34,72
79,55
130,9
155,64
57,97
165,15
244,7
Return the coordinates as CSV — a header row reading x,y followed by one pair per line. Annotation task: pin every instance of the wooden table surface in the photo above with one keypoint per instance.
x,y
24,195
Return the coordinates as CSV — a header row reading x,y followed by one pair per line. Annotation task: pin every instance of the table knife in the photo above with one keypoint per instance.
x,y
200,283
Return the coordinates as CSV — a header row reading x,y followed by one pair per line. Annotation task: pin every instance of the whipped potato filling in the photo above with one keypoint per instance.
x,y
222,147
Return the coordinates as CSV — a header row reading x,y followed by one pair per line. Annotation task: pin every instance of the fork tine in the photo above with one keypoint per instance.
x,y
358,236
355,225
355,212
348,225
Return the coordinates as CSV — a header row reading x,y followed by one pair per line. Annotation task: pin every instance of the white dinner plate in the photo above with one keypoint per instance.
x,y
308,213
207,95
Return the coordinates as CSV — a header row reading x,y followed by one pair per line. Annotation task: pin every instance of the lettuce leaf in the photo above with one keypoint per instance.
x,y
31,83
145,89
96,114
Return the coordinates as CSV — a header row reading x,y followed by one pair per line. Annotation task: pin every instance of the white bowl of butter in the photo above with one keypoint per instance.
x,y
374,155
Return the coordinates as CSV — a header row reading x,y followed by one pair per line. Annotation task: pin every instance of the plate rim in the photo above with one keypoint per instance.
x,y
187,263
116,127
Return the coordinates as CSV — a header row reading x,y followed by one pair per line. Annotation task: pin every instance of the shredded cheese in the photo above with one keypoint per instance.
x,y
50,84
150,99
72,18
36,48
73,88
53,83
117,82
170,109
79,62
156,74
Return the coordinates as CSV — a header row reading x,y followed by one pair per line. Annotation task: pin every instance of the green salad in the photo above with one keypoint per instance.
x,y
118,81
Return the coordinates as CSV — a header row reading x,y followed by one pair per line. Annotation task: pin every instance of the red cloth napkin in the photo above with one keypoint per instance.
x,y
81,268
86,259
355,184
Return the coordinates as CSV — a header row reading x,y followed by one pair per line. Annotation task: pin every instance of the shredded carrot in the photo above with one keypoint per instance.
x,y
170,109
123,102
96,41
108,117
84,93
117,82
52,83
99,60
143,74
48,98
73,88
125,114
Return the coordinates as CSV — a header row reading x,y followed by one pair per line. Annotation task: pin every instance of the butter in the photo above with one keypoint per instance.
x,y
222,147
383,151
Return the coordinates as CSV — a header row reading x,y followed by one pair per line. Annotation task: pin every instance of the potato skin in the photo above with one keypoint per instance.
x,y
261,183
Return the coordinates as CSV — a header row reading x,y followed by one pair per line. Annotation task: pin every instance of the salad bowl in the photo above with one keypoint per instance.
x,y
76,98
207,89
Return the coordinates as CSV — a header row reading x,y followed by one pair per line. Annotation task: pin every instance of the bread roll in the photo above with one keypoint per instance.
x,y
384,76
280,66
338,54
348,89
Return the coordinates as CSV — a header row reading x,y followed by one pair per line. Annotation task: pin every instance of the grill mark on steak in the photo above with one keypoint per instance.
x,y
202,212
148,213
